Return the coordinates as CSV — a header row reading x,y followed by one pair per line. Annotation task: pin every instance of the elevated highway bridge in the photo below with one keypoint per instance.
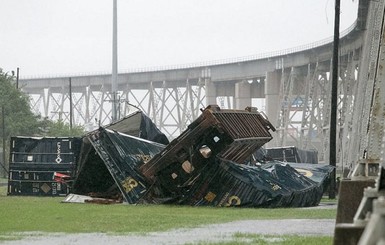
x,y
293,83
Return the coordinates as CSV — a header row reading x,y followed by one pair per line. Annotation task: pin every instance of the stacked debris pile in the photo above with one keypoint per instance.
x,y
206,165
42,166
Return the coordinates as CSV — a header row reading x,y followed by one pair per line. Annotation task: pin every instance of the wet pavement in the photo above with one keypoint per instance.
x,y
207,233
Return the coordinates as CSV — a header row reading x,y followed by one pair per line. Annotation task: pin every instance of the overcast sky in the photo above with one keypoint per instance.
x,y
44,37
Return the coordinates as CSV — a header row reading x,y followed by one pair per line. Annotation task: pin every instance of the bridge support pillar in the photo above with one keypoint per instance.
x,y
242,95
272,98
211,92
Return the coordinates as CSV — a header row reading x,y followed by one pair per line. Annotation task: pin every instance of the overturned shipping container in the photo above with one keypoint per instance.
x,y
108,165
206,165
230,134
226,183
292,154
110,157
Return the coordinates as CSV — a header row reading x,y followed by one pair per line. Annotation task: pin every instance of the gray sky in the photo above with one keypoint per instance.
x,y
74,36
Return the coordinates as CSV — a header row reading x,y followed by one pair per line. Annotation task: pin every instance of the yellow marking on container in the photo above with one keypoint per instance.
x,y
210,196
304,172
233,201
129,184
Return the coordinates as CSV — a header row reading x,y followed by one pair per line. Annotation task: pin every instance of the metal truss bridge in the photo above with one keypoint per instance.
x,y
291,86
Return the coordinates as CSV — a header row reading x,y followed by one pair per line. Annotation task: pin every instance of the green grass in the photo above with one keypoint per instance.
x,y
48,214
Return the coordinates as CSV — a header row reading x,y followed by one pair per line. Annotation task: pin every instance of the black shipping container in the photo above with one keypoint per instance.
x,y
292,154
35,162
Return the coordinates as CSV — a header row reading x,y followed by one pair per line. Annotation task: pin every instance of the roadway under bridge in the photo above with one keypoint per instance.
x,y
292,87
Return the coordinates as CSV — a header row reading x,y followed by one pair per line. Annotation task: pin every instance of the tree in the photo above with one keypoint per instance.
x,y
17,118
60,129
15,109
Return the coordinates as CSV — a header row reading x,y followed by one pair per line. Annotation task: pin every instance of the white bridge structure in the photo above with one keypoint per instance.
x,y
292,87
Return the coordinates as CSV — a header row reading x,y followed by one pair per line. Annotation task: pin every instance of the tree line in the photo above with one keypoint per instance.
x,y
18,119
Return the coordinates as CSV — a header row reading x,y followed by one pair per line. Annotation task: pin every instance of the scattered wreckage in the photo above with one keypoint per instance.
x,y
212,163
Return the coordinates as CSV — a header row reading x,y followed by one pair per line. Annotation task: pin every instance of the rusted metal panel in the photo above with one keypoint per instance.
x,y
230,134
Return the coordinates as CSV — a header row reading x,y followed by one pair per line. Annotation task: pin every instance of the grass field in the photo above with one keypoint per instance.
x,y
48,214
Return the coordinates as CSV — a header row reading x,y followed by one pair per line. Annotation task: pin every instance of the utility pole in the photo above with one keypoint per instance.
x,y
3,128
114,62
70,97
17,78
333,116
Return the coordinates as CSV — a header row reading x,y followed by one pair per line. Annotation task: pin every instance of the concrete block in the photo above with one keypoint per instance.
x,y
347,234
349,198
